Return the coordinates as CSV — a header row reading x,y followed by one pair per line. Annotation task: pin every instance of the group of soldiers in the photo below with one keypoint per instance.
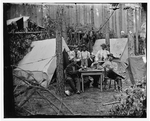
x,y
83,59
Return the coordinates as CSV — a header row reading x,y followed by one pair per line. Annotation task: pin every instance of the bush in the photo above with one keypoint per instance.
x,y
133,102
19,46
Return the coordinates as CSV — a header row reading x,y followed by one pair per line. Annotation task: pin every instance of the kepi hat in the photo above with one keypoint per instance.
x,y
103,45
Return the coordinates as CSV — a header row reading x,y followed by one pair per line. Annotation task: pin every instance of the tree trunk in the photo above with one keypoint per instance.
x,y
59,55
92,16
91,33
76,36
136,24
107,28
84,14
131,45
120,18
76,16
64,29
41,15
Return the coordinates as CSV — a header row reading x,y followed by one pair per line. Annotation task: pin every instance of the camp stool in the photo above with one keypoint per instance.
x,y
108,82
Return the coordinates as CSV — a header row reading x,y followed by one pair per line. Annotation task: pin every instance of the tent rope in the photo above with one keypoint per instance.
x,y
108,18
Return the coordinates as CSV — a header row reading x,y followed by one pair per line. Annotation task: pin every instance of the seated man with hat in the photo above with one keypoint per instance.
x,y
72,75
101,55
111,72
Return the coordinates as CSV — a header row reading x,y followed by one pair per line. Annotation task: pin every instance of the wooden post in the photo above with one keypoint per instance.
x,y
59,55
136,23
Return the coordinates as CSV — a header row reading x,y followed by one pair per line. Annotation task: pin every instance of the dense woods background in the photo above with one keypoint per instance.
x,y
78,15
79,22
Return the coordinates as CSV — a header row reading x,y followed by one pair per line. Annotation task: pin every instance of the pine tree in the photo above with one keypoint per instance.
x,y
107,28
60,79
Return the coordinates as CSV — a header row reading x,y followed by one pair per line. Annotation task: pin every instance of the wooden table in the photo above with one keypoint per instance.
x,y
92,72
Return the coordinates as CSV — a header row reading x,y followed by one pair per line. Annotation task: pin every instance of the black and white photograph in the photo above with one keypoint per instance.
x,y
75,59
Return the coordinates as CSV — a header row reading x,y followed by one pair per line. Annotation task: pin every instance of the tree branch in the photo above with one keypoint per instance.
x,y
45,98
43,88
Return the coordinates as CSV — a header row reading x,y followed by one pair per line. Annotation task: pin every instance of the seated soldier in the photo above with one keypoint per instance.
x,y
111,71
72,76
89,79
91,59
101,55
95,65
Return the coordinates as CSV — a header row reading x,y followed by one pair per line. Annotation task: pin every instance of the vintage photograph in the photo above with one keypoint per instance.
x,y
75,60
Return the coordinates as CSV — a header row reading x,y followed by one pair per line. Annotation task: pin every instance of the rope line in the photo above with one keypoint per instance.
x,y
109,17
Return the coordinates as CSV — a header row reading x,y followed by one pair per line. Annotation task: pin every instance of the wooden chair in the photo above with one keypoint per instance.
x,y
109,84
106,79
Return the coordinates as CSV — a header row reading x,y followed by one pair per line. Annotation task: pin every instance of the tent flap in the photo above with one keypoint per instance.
x,y
136,68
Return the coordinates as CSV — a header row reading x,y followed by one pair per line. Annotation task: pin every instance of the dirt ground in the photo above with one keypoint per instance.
x,y
89,103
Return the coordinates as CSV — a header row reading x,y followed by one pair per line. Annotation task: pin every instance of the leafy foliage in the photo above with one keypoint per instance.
x,y
19,46
20,42
133,102
50,26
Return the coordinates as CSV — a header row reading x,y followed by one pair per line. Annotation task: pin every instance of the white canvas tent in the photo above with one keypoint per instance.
x,y
40,62
24,18
118,47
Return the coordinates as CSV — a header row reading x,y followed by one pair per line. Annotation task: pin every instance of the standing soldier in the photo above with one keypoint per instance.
x,y
85,55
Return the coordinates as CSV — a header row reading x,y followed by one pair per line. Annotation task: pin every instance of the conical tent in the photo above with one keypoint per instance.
x,y
119,48
135,66
24,19
22,22
40,62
